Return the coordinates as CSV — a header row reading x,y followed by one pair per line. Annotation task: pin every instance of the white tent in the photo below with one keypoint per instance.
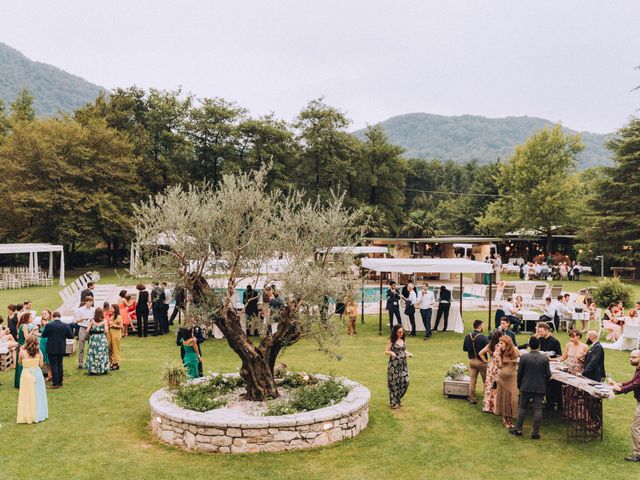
x,y
426,265
33,249
356,250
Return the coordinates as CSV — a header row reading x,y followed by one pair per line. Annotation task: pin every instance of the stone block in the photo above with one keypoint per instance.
x,y
254,432
221,441
274,447
286,435
189,440
321,440
167,436
234,432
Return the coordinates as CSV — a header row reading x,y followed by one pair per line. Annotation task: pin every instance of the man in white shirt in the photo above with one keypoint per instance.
x,y
497,266
548,311
425,302
510,312
410,307
84,315
168,293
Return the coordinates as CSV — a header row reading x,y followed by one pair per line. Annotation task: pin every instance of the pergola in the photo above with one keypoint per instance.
x,y
33,249
427,265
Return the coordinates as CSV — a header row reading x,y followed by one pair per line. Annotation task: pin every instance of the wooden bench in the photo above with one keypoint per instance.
x,y
621,271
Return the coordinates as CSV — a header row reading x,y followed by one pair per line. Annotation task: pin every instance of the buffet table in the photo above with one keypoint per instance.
x,y
581,403
453,325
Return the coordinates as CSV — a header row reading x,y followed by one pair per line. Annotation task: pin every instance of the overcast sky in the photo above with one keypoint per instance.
x,y
569,61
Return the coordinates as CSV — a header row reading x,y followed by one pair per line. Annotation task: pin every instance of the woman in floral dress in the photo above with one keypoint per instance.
x,y
98,353
397,369
575,353
489,401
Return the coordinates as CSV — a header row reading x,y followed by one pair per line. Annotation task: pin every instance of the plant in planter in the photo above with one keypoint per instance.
x,y
233,231
174,375
459,371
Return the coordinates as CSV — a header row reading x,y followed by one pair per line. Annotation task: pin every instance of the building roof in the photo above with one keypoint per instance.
x,y
426,265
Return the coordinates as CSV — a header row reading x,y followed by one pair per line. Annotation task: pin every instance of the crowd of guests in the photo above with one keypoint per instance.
x,y
542,271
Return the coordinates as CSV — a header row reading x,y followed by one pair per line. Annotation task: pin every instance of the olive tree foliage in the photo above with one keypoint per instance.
x,y
232,233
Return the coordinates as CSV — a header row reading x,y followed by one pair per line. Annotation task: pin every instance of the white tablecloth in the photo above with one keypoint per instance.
x,y
454,324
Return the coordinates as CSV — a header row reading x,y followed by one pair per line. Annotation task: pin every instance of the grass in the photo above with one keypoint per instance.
x,y
98,426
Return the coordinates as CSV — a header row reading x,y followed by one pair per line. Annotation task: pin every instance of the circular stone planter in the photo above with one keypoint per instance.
x,y
226,430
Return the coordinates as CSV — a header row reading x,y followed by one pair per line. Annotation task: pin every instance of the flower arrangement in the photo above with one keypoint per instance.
x,y
458,372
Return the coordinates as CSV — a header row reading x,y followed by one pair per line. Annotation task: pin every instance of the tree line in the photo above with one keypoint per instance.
x,y
73,179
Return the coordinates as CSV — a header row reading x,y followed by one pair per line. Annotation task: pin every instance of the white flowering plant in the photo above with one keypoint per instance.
x,y
458,371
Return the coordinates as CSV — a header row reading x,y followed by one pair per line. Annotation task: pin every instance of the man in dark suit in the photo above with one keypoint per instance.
x,y
533,374
505,329
56,334
393,303
594,361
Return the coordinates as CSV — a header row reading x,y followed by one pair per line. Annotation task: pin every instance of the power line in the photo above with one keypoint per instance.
x,y
438,192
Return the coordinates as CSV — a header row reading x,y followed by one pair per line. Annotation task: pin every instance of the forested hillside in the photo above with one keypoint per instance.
x,y
470,137
53,89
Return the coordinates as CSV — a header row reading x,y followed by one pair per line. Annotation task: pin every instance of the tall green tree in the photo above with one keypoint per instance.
x,y
612,222
68,183
22,107
327,149
538,186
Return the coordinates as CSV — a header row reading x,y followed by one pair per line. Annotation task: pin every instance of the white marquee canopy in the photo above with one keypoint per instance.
x,y
426,265
33,249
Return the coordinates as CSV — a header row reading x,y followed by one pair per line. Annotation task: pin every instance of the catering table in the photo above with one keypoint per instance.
x,y
454,324
581,403
528,316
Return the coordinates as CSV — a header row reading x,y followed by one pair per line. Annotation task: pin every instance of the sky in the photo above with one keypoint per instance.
x,y
571,61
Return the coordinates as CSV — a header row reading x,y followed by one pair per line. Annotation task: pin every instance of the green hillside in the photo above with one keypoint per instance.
x,y
54,90
467,137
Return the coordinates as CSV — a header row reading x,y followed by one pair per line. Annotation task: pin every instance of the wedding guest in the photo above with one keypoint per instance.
x,y
594,360
157,307
98,351
393,304
533,374
32,399
12,320
56,334
506,385
123,312
84,315
548,311
489,401
444,304
87,292
168,294
191,354
266,309
45,317
548,343
200,338
250,301
510,311
632,385
23,333
180,296
425,303
114,335
518,303
352,315
410,307
505,329
27,308
474,343
397,367
142,310
575,353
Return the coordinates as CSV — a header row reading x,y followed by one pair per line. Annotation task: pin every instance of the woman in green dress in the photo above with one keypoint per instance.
x,y
44,319
191,353
98,353
23,333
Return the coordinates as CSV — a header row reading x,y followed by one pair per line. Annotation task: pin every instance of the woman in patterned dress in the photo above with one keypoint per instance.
x,y
489,401
397,369
98,353
575,352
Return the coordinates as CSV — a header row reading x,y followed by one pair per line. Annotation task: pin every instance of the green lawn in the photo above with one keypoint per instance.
x,y
98,426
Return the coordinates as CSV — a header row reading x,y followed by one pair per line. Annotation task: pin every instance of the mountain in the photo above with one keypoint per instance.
x,y
54,90
467,137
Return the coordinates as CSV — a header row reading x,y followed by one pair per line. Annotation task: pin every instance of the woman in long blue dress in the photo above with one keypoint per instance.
x,y
32,399
191,353
98,353
23,333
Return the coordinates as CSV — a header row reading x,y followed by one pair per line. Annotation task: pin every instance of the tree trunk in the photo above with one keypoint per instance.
x,y
258,375
549,240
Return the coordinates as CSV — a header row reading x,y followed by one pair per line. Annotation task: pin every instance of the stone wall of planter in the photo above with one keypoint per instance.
x,y
226,430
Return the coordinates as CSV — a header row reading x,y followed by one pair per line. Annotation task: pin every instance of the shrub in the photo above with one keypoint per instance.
x,y
173,375
310,397
611,290
207,395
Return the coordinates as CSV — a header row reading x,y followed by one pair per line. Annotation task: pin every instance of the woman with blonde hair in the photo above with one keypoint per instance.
x,y
506,382
32,399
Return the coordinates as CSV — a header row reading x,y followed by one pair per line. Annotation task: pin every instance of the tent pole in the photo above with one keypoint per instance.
x,y
380,315
362,299
490,298
50,264
461,296
62,267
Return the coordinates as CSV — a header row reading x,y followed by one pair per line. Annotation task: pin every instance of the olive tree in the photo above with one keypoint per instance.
x,y
231,233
